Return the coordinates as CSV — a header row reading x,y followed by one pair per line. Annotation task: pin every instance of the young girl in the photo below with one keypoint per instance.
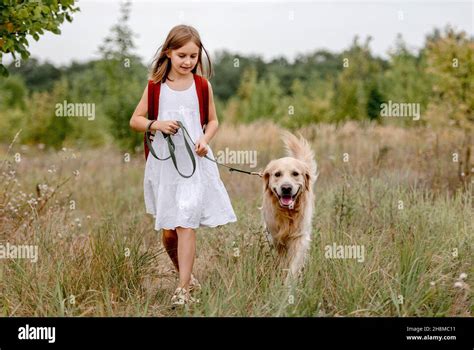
x,y
180,205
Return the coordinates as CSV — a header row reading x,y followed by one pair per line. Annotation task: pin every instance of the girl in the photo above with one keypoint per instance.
x,y
181,205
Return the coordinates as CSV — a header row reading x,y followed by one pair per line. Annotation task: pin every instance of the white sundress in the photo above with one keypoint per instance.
x,y
200,200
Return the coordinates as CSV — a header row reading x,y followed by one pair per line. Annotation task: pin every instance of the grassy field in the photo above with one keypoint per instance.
x,y
399,193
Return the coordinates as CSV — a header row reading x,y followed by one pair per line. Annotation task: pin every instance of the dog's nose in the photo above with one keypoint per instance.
x,y
286,189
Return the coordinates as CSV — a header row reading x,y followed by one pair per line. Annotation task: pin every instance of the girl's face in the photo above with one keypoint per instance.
x,y
184,59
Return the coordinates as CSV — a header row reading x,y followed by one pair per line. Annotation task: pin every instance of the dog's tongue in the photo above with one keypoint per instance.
x,y
286,200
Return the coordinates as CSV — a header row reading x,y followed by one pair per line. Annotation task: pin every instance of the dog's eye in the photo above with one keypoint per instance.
x,y
295,173
277,174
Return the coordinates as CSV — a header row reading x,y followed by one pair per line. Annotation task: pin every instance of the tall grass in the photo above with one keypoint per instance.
x,y
399,195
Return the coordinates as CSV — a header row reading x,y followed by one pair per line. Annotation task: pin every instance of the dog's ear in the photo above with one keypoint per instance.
x,y
266,179
307,179
267,173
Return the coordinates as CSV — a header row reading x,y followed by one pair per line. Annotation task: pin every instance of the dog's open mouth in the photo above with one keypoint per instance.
x,y
288,200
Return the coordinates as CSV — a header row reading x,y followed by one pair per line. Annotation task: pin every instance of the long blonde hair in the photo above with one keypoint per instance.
x,y
178,36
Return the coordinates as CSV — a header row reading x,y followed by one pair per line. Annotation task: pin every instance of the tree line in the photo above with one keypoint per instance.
x,y
319,86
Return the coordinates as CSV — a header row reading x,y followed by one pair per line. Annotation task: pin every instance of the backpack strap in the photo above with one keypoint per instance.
x,y
202,89
153,107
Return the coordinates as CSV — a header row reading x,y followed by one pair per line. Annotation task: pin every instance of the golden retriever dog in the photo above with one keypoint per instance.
x,y
288,202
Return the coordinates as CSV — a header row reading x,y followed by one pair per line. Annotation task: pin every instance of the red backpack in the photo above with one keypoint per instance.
x,y
202,90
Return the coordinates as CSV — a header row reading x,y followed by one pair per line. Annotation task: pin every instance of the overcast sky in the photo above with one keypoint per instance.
x,y
269,29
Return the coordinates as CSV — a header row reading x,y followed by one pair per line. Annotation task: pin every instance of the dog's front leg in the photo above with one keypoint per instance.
x,y
297,255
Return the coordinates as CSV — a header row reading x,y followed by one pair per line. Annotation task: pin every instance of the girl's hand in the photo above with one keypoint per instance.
x,y
169,127
201,147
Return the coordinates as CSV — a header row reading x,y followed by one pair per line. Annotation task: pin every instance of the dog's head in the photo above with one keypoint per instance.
x,y
287,179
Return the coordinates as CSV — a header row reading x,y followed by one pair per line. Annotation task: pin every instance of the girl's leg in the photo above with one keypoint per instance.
x,y
186,252
170,241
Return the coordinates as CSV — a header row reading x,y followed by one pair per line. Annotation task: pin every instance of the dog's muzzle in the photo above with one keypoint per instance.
x,y
287,195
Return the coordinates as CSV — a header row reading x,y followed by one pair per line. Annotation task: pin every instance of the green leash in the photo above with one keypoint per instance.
x,y
172,148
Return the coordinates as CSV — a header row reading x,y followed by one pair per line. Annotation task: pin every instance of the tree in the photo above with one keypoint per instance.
x,y
13,92
258,98
406,79
308,102
125,79
229,69
37,76
450,59
40,124
22,18
12,107
358,83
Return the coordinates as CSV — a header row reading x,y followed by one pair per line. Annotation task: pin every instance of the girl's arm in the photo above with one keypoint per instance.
x,y
212,123
139,121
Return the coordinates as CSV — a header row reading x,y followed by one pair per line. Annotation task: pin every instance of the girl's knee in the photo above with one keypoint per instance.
x,y
185,230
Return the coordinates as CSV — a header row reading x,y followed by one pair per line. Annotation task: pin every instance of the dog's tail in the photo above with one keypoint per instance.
x,y
300,149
